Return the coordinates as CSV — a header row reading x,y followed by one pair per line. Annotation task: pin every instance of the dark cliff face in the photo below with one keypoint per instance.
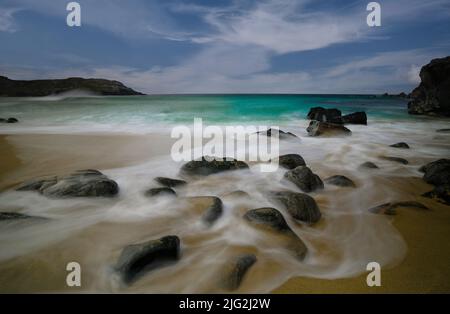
x,y
432,96
35,88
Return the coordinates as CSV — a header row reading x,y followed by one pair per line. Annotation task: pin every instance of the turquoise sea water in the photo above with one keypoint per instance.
x,y
173,109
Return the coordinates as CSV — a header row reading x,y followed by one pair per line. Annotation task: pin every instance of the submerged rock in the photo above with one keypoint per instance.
x,y
81,183
301,206
437,172
236,269
13,216
213,212
317,128
159,191
272,219
304,178
281,134
342,181
432,96
368,165
9,120
400,145
395,159
170,183
137,259
440,193
390,208
208,165
323,115
291,161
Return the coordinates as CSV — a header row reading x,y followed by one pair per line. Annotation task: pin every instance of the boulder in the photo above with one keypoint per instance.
x,y
81,183
323,115
272,219
137,259
432,96
9,120
304,178
368,165
235,270
437,172
208,165
213,212
400,145
170,183
390,208
395,159
159,191
440,193
317,128
301,206
341,181
353,118
291,161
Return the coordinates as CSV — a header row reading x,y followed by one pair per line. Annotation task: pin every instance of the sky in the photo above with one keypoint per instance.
x,y
227,46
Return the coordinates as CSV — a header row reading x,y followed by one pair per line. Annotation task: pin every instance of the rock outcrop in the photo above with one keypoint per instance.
x,y
432,96
38,88
335,116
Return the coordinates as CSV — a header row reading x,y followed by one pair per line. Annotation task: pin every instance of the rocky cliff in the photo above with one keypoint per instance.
x,y
432,96
51,87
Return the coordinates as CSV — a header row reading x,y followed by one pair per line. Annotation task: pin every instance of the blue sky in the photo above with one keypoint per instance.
x,y
240,46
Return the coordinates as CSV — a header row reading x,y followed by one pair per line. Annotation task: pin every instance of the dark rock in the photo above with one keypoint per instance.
x,y
291,161
432,96
236,269
317,128
304,178
208,165
400,145
13,216
368,165
272,219
342,181
443,131
354,118
390,208
213,212
395,159
323,115
301,206
137,259
170,183
437,172
159,191
281,134
440,193
51,87
82,183
11,120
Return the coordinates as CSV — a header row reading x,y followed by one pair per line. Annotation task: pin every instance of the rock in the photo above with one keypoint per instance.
x,y
437,172
342,181
317,128
390,208
13,216
304,178
159,191
443,131
82,183
272,219
237,193
400,145
137,259
323,115
281,134
207,165
440,193
36,88
291,161
301,206
368,165
213,212
432,96
395,159
236,269
354,118
170,183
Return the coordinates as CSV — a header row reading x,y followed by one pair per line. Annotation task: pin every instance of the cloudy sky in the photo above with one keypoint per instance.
x,y
221,46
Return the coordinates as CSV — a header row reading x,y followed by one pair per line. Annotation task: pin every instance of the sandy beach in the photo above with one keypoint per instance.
x,y
423,269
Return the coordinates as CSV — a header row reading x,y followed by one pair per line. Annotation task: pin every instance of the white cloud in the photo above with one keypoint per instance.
x,y
7,23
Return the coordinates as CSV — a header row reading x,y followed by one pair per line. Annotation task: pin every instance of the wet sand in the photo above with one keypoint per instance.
x,y
425,268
